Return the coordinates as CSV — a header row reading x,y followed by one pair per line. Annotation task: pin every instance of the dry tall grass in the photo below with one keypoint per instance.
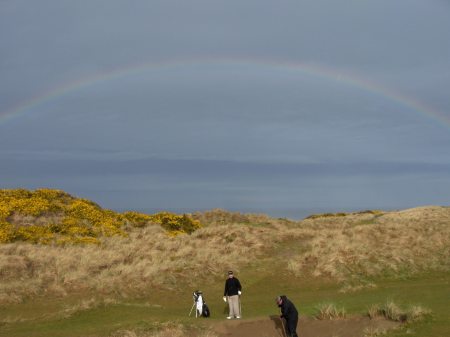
x,y
374,332
392,311
350,249
360,246
329,311
125,266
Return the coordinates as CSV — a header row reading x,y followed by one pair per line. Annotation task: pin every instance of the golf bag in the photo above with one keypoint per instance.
x,y
200,305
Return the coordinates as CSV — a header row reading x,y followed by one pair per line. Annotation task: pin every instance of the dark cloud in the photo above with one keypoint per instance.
x,y
228,134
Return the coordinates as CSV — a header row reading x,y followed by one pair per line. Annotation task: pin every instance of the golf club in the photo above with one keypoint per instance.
x,y
283,332
240,306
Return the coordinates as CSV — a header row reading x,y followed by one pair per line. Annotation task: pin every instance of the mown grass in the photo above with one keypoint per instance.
x,y
40,317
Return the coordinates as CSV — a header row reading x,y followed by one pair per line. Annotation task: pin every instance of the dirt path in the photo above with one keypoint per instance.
x,y
307,327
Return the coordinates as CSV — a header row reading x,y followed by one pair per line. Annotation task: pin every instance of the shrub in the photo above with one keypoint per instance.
x,y
53,216
35,234
5,211
6,232
176,223
137,219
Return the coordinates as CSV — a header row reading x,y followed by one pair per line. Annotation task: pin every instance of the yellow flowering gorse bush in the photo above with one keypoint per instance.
x,y
175,223
57,217
137,219
6,231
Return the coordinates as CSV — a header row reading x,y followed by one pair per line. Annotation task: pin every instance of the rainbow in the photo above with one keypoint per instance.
x,y
320,71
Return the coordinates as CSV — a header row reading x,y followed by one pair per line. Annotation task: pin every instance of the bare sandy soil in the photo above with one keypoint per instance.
x,y
307,327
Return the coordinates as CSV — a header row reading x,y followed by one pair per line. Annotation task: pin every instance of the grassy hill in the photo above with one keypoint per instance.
x,y
142,269
48,216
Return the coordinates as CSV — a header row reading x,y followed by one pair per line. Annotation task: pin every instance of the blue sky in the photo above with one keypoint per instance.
x,y
287,108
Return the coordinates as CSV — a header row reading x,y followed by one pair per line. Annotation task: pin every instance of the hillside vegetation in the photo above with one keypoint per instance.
x,y
54,217
134,253
359,247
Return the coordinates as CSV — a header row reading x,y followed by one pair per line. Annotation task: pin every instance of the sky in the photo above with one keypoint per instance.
x,y
281,107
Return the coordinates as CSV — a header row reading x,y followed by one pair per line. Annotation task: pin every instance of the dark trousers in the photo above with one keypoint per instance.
x,y
291,327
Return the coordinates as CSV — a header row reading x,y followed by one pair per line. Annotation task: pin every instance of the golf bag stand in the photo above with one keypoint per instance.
x,y
193,305
201,309
196,295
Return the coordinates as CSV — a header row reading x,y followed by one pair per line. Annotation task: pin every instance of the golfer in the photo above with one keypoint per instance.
x,y
232,294
290,314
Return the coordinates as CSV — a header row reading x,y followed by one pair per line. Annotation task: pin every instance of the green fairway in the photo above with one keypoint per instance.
x,y
44,317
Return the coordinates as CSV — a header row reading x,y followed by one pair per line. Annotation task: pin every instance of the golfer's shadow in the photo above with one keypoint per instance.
x,y
279,327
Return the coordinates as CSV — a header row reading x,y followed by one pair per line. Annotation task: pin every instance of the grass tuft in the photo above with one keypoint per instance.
x,y
329,311
393,312
373,332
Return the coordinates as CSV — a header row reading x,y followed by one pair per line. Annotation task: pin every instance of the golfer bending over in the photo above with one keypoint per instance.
x,y
232,293
290,314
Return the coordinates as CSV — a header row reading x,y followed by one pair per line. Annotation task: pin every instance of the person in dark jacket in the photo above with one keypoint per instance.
x,y
290,314
232,293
